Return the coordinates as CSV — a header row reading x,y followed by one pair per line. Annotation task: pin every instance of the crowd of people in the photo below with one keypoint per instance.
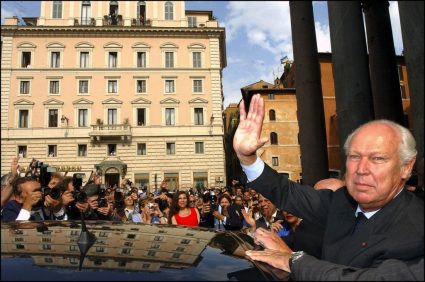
x,y
367,226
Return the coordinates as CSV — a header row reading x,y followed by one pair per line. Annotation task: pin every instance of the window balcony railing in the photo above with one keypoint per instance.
x,y
107,131
140,22
113,20
84,21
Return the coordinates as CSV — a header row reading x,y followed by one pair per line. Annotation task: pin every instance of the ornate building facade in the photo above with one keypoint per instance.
x,y
129,88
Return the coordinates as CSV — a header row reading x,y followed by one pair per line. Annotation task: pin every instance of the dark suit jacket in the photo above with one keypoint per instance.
x,y
309,268
235,218
10,211
396,231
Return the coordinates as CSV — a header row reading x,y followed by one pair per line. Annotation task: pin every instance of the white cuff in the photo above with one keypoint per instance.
x,y
253,171
24,215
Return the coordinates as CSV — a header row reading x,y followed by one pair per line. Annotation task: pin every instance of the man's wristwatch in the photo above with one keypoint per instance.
x,y
294,257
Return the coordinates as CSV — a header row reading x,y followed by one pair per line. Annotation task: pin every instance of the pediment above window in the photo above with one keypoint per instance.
x,y
170,101
55,45
112,45
84,45
82,101
198,101
141,45
26,45
53,101
169,45
111,101
196,46
23,102
140,101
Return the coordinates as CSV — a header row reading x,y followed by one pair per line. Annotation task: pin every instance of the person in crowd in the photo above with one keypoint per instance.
x,y
7,181
271,218
192,200
363,221
28,203
230,217
130,214
181,213
206,211
90,207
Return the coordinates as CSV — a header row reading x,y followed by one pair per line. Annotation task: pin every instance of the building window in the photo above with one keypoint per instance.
x,y
141,179
55,59
185,241
46,240
171,148
169,59
23,118
151,253
112,149
272,115
141,86
200,180
54,87
169,10
199,147
191,21
141,59
103,234
82,150
273,138
112,116
26,59
112,62
197,86
52,150
169,86
53,118
82,117
100,250
24,87
169,116
47,247
57,10
141,117
197,59
400,72
141,148
275,161
84,59
199,116
403,91
271,96
112,86
85,13
83,87
22,151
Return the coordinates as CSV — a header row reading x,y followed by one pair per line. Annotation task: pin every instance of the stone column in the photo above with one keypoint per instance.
x,y
412,29
312,135
382,62
354,103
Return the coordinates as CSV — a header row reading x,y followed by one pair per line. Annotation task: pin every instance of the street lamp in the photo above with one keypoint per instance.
x,y
64,118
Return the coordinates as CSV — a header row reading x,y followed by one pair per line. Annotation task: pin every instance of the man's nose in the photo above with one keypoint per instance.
x,y
363,166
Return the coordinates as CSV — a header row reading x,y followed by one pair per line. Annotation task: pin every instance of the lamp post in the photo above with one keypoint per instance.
x,y
64,118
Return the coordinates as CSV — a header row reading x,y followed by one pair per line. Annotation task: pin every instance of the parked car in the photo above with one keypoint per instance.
x,y
101,250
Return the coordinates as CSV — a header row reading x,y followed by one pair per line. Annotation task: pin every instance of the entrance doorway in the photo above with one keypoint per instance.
x,y
112,179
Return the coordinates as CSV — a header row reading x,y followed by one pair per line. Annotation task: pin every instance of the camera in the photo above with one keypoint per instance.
x,y
77,181
102,203
53,193
213,200
45,174
79,196
150,205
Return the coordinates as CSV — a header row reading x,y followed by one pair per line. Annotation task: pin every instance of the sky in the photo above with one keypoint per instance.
x,y
258,35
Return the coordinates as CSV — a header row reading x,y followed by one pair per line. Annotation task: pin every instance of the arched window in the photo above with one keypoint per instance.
x,y
85,12
273,138
169,10
272,115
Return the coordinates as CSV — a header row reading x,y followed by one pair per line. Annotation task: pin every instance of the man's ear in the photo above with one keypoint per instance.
x,y
406,169
19,199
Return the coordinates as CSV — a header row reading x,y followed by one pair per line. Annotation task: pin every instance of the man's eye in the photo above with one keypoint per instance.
x,y
353,157
378,159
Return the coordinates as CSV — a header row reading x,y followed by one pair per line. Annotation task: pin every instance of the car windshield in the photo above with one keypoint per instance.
x,y
126,251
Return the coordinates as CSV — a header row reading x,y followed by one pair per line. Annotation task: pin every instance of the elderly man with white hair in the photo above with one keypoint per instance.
x,y
371,225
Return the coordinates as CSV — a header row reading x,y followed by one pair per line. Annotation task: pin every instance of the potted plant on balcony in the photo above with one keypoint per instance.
x,y
126,123
119,20
99,123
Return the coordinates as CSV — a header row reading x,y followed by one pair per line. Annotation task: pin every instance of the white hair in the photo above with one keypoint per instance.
x,y
407,147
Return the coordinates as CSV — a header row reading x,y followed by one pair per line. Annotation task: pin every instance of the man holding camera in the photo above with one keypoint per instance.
x,y
28,203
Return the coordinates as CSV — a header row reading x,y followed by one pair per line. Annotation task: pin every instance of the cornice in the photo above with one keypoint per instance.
x,y
99,31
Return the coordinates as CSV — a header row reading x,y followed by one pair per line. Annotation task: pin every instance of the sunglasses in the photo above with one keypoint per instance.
x,y
193,201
